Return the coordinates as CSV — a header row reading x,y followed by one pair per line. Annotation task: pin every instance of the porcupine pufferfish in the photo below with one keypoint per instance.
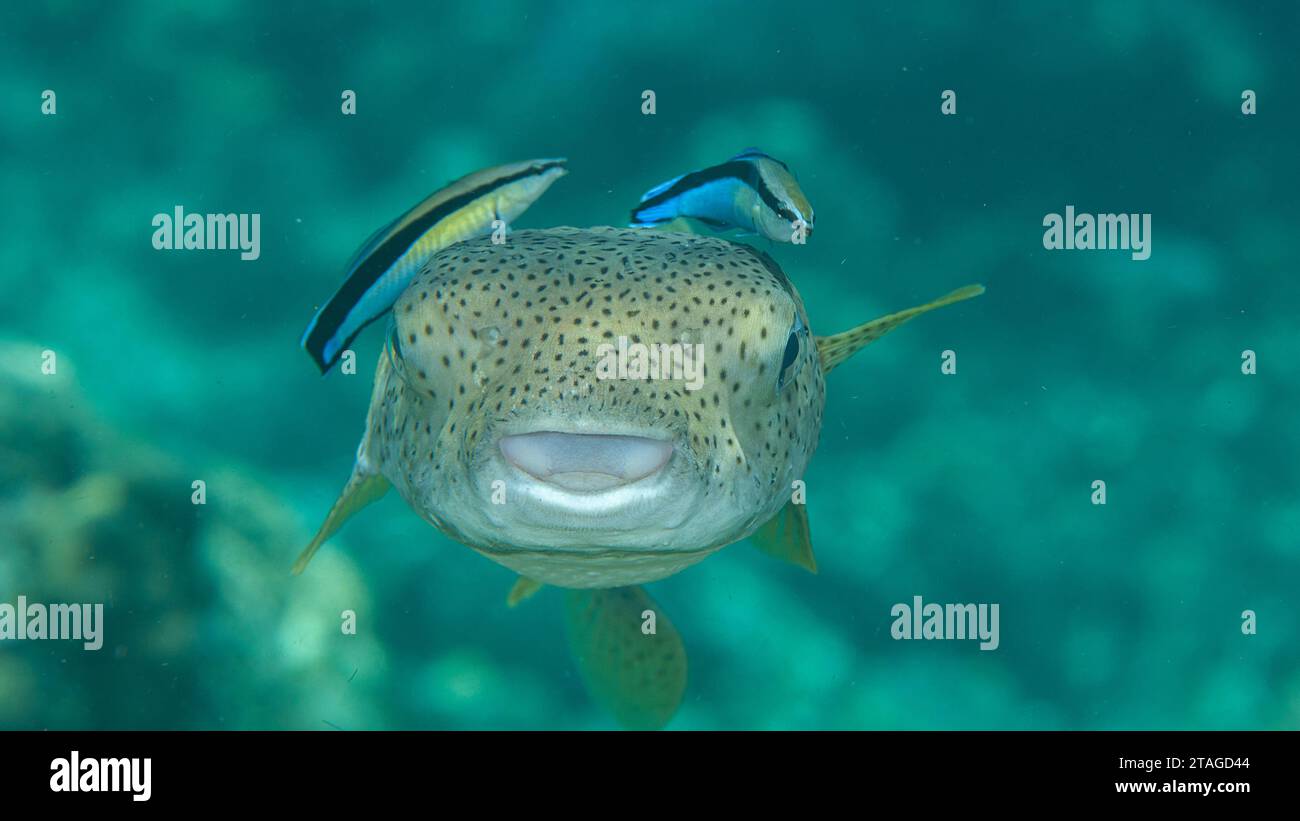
x,y
490,418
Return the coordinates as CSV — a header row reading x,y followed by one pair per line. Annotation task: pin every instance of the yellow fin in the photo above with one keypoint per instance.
x,y
361,490
832,350
523,589
786,536
678,225
638,676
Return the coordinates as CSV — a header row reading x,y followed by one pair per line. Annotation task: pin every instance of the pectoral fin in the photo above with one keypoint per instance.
x,y
361,490
786,536
523,589
832,350
629,654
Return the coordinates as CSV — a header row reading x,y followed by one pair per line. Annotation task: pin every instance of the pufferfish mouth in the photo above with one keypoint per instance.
x,y
585,462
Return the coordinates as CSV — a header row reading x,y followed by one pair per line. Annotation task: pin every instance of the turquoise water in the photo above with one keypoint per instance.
x,y
974,486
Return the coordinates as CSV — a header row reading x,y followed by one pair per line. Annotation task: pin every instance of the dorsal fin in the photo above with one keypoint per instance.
x,y
660,188
753,153
832,350
639,676
786,536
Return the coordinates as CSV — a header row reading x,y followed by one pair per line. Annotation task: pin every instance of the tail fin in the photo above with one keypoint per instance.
x,y
654,215
648,213
629,654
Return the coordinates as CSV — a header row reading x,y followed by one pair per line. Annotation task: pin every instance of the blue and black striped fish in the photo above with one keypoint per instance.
x,y
385,264
751,191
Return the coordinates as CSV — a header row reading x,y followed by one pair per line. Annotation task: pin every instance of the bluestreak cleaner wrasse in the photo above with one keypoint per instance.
x,y
751,191
383,267
495,418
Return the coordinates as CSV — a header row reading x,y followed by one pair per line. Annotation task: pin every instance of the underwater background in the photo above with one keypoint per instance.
x,y
176,366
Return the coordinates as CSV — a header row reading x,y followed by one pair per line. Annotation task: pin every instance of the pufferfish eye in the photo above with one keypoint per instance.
x,y
791,360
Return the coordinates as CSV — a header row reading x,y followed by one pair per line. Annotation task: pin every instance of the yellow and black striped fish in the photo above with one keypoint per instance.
x,y
385,264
